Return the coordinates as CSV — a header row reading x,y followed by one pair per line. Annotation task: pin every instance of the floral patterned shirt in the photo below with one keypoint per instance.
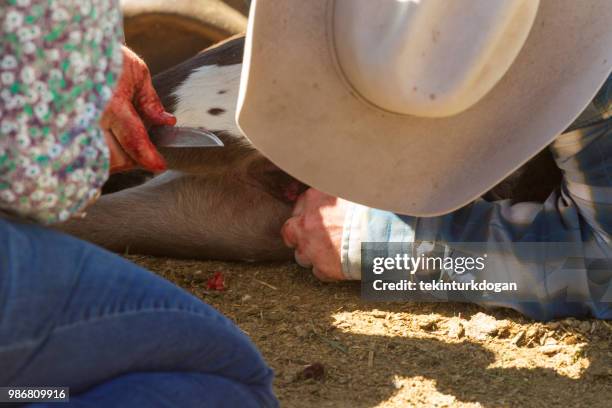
x,y
59,61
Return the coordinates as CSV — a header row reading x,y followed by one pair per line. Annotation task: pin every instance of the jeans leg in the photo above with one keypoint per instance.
x,y
163,390
72,314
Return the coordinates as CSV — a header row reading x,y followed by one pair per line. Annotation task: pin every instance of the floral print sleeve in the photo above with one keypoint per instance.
x,y
59,61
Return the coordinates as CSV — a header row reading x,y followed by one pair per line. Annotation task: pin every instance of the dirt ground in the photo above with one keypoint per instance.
x,y
329,349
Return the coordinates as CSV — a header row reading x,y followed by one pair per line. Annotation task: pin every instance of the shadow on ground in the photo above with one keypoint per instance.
x,y
408,354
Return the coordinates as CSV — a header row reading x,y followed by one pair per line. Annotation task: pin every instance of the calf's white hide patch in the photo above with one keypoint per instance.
x,y
208,98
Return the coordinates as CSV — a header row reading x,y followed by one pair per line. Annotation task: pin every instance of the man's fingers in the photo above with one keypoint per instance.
x,y
323,277
150,106
302,260
291,236
290,233
133,138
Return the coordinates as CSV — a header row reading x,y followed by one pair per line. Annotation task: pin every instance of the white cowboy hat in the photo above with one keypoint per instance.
x,y
417,106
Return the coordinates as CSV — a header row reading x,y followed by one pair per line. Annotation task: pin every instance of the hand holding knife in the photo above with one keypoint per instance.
x,y
135,106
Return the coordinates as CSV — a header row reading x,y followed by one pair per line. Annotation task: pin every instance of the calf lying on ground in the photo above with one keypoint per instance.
x,y
227,203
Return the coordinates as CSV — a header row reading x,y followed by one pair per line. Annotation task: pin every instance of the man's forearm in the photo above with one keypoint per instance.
x,y
578,214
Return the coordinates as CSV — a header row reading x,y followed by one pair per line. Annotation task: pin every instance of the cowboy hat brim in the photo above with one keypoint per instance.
x,y
296,107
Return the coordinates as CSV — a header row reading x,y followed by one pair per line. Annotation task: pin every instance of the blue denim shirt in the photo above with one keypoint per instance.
x,y
579,212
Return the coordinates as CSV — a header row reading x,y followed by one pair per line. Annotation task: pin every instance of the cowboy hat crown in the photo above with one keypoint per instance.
x,y
417,106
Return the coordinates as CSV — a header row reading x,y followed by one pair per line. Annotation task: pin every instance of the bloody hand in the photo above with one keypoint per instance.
x,y
133,108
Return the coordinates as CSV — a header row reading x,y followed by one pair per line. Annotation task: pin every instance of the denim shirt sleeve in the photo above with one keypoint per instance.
x,y
579,212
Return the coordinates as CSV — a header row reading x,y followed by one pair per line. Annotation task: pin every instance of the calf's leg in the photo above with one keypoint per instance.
x,y
189,216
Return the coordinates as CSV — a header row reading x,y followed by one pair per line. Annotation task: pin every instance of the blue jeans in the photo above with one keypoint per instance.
x,y
74,315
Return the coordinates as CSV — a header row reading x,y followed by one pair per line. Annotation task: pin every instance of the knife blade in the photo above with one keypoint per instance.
x,y
183,137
